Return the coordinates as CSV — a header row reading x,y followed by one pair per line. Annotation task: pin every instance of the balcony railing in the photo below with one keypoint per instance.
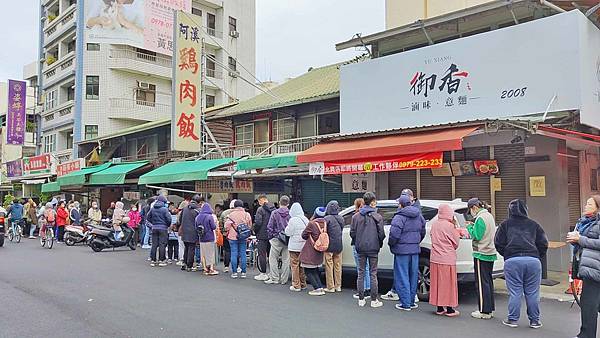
x,y
215,74
158,158
64,19
214,32
131,54
65,65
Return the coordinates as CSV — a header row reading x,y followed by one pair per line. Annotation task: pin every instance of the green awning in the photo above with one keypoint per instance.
x,y
50,187
266,162
78,177
183,171
115,174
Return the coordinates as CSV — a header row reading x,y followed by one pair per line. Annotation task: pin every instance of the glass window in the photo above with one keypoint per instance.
x,y
387,213
51,99
244,134
91,131
145,94
210,101
232,64
92,87
328,123
261,131
196,11
211,23
307,126
71,46
232,24
283,129
93,47
69,141
50,143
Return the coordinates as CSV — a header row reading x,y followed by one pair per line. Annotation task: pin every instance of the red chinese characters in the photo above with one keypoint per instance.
x,y
186,126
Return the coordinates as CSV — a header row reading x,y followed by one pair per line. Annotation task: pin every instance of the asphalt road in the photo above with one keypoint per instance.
x,y
73,292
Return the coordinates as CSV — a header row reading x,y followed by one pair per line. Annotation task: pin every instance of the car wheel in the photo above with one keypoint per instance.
x,y
424,279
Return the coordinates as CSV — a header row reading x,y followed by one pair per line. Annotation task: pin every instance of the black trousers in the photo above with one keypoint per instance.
x,y
226,253
264,247
189,254
590,306
60,233
312,276
159,241
173,249
485,285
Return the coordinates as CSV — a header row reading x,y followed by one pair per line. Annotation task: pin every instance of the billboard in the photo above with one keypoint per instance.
x,y
146,24
187,98
36,165
15,120
498,74
14,168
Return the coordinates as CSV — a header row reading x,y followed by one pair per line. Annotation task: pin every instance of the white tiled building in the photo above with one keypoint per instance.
x,y
123,86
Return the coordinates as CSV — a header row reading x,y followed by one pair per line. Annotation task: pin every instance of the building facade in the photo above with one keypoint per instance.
x,y
94,89
402,12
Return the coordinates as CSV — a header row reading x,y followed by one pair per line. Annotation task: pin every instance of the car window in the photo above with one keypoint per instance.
x,y
428,213
387,213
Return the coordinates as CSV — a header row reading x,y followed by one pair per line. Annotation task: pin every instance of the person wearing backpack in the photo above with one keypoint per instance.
x,y
279,242
311,256
188,231
368,234
406,233
237,226
206,226
49,217
263,214
294,230
333,256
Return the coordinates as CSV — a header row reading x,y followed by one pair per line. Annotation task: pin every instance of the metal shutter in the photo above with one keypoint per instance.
x,y
511,162
473,186
573,188
312,194
399,180
316,193
436,187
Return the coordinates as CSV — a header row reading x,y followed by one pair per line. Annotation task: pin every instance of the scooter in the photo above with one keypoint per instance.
x,y
103,238
76,234
2,228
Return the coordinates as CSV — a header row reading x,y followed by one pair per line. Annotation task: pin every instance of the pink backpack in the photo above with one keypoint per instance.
x,y
322,243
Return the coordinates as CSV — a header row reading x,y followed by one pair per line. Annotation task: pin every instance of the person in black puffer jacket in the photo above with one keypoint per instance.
x,y
333,256
261,219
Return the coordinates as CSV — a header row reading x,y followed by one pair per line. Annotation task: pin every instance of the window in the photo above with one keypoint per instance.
x,y
70,93
91,132
92,87
283,129
210,101
51,100
71,46
196,11
261,132
232,64
244,134
211,66
211,23
307,126
145,94
93,47
232,24
145,54
49,143
328,123
69,140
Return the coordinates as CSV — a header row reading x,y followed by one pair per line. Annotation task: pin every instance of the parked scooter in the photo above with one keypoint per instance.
x,y
76,234
2,227
103,237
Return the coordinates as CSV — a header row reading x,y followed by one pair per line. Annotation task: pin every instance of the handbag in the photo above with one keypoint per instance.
x,y
285,239
220,238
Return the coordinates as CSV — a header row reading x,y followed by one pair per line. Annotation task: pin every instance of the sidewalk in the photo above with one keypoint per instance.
x,y
556,292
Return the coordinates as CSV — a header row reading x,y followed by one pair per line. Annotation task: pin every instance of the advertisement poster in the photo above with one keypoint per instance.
x,y
358,182
68,167
14,168
15,119
37,165
406,162
225,186
537,186
445,170
185,123
462,168
487,167
144,24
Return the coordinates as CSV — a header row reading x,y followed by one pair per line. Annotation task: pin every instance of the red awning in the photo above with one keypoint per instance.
x,y
386,146
569,135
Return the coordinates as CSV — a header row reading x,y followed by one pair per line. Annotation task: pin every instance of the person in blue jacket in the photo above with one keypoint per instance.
x,y
406,233
160,218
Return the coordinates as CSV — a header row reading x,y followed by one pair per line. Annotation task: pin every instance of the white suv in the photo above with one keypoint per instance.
x,y
429,208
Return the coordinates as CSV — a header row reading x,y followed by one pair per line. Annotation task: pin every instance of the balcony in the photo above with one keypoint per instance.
x,y
131,109
59,70
63,155
215,38
60,25
158,158
140,63
58,116
268,148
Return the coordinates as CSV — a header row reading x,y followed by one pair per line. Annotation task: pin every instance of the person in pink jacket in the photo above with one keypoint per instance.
x,y
444,242
134,221
238,247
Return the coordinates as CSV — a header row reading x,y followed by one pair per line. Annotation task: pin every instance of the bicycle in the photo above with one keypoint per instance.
x,y
15,232
47,236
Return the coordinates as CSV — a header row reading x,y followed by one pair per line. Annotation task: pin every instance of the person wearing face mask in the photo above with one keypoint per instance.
x,y
94,214
482,232
134,221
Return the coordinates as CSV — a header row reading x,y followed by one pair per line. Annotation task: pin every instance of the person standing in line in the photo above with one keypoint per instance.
x,y
172,242
188,231
586,247
111,210
367,233
61,221
445,239
294,230
180,243
134,221
75,214
482,232
236,218
406,233
359,203
147,226
277,223
263,214
206,221
160,218
226,247
310,258
333,256
522,242
32,216
94,214
117,220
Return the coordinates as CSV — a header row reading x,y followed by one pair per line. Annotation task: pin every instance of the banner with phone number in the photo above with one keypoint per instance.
x,y
405,162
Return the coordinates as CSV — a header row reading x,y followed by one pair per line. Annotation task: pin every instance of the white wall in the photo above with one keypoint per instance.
x,y
403,12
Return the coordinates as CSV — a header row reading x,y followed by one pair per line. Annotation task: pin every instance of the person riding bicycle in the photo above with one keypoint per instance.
x,y
15,212
48,219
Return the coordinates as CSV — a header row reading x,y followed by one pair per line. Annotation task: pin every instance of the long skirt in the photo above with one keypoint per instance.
x,y
444,285
207,250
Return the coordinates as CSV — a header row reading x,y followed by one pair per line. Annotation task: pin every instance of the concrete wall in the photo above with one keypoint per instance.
x,y
403,12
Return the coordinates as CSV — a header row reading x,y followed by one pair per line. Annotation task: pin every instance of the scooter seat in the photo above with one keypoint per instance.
x,y
102,232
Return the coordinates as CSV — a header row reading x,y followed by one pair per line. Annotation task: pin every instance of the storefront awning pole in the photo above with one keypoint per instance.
x,y
173,189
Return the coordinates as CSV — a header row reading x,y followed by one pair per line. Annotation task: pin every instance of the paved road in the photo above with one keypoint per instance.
x,y
73,292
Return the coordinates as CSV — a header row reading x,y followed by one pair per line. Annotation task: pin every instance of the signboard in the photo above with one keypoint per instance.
x,y
484,76
225,186
131,195
358,182
406,162
144,24
463,168
486,167
68,167
444,170
537,186
187,98
316,168
14,168
36,165
15,119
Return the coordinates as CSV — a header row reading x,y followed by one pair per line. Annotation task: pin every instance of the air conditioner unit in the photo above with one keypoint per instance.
x,y
234,73
143,85
234,34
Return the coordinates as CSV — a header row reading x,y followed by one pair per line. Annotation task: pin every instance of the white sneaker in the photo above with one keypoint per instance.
x,y
243,275
479,315
292,288
338,289
262,277
169,261
31,237
417,299
392,296
376,303
239,270
317,292
152,264
146,246
270,281
226,269
234,275
362,302
330,290
179,263
399,307
163,264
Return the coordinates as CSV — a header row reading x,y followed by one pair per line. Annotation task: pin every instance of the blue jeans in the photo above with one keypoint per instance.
x,y
197,256
238,252
147,235
523,277
367,270
406,277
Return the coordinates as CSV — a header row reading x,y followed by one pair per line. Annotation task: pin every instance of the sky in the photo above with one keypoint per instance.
x,y
291,35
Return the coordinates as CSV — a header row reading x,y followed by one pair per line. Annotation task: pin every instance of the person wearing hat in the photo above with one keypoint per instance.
x,y
406,233
160,218
318,213
482,231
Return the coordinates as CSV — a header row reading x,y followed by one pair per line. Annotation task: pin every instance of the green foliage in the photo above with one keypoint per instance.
x,y
8,199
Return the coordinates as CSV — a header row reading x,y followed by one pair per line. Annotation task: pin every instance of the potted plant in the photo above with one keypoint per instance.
x,y
51,17
50,59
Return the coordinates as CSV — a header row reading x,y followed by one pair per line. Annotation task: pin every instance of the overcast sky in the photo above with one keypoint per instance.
x,y
291,35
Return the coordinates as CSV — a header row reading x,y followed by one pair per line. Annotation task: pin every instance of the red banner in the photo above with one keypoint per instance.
x,y
68,167
37,163
406,162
